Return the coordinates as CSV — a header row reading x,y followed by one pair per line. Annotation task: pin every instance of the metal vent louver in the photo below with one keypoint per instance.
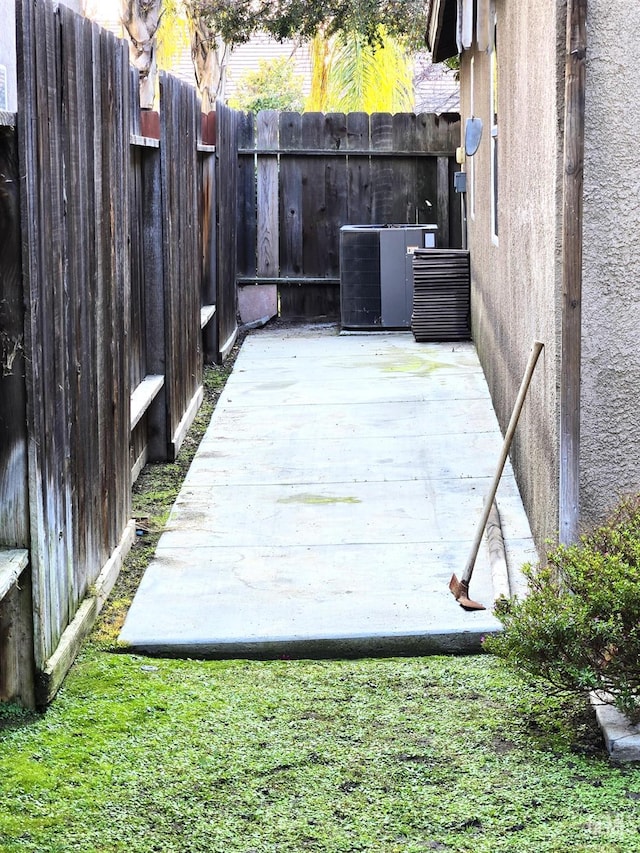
x,y
441,295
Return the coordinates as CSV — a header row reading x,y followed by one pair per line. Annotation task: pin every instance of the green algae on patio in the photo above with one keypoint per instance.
x,y
319,499
418,365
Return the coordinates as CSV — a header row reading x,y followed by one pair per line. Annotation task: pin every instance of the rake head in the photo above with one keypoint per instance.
x,y
460,591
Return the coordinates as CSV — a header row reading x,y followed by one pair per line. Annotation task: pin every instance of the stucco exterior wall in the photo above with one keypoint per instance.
x,y
610,407
515,279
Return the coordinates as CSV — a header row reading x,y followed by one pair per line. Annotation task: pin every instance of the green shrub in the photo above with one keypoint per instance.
x,y
579,626
274,86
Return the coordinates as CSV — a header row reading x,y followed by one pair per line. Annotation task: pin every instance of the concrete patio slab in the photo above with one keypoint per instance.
x,y
336,490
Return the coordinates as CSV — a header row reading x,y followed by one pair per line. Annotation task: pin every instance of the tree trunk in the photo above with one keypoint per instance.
x,y
141,19
209,60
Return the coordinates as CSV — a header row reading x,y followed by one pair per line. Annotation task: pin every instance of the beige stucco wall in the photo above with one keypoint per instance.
x,y
515,280
610,411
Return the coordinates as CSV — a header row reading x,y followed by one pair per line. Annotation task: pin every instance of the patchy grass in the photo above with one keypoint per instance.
x,y
386,756
451,754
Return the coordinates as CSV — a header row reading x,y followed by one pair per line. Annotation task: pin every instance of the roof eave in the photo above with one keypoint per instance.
x,y
441,29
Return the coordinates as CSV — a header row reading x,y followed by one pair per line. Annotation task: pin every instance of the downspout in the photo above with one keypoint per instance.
x,y
570,347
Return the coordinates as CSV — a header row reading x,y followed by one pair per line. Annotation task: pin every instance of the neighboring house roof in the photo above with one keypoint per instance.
x,y
436,87
246,58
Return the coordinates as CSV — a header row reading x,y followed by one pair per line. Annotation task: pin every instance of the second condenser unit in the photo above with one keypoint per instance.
x,y
376,275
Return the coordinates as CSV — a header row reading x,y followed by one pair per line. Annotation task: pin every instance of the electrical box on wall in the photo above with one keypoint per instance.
x,y
460,182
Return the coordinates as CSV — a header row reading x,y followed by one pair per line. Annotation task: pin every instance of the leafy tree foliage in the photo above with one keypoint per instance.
x,y
235,21
352,74
274,86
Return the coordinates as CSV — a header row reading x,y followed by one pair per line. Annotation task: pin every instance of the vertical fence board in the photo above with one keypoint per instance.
x,y
443,200
403,207
227,196
426,170
75,171
138,351
335,181
208,247
246,197
381,168
358,171
14,519
313,202
268,232
182,256
290,196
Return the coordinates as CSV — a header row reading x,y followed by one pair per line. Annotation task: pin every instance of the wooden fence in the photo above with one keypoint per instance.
x,y
16,633
302,177
120,290
74,148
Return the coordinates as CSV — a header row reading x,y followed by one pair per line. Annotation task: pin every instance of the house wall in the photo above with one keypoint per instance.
x,y
515,278
610,438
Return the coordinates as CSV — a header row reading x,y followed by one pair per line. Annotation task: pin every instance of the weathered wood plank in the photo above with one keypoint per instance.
x,y
359,200
247,200
16,630
382,169
290,195
426,170
442,206
314,206
455,209
13,562
182,253
227,195
153,240
336,190
143,395
403,207
187,419
268,261
57,666
14,512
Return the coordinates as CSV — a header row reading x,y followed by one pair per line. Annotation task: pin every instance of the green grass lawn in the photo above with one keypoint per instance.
x,y
388,756
374,755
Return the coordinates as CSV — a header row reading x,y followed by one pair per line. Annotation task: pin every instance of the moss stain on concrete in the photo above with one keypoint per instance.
x,y
318,499
415,364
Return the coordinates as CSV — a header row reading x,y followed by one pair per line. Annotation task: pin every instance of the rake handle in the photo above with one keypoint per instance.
x,y
536,349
